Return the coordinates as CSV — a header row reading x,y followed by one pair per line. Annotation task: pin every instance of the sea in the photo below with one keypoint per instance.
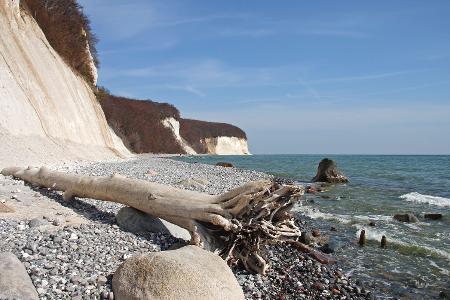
x,y
416,262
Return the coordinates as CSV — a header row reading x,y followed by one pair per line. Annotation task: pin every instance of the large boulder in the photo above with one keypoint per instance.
x,y
407,218
186,273
14,280
328,172
136,221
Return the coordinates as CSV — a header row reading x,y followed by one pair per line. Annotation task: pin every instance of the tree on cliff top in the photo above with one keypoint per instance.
x,y
68,31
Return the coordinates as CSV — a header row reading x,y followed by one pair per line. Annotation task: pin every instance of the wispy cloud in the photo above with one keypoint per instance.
x,y
362,77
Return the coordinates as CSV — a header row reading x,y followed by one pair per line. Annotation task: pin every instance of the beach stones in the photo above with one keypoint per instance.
x,y
327,172
407,218
14,280
187,273
136,221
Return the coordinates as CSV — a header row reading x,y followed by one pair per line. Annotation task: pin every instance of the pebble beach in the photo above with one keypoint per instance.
x,y
71,251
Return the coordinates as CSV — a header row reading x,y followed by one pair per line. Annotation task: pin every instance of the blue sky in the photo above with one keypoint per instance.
x,y
298,76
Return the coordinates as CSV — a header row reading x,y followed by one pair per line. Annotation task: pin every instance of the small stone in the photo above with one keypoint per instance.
x,y
41,291
316,232
110,296
335,291
73,236
319,286
101,280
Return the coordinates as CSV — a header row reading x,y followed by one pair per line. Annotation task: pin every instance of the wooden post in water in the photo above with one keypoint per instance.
x,y
383,241
362,238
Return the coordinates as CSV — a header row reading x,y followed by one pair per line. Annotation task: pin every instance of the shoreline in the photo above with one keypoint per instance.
x,y
93,222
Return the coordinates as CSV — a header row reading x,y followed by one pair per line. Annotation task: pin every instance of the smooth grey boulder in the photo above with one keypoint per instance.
x,y
186,273
36,222
14,280
407,218
327,172
136,221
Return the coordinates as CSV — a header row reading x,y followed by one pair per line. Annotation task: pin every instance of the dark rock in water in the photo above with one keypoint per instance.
x,y
445,294
224,164
408,218
333,228
14,280
330,247
328,172
372,223
136,221
311,190
315,232
433,216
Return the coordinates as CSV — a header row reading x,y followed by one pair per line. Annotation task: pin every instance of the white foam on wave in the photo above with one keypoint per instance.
x,y
315,213
376,235
419,198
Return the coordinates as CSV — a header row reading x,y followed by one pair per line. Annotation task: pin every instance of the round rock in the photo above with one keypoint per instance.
x,y
186,273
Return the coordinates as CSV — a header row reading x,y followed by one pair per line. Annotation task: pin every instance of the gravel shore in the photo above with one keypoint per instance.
x,y
77,261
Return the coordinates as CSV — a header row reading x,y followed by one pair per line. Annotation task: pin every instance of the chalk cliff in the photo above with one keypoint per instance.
x,y
48,111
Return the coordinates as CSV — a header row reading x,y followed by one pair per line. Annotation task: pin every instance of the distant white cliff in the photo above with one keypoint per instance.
x,y
45,108
174,125
226,145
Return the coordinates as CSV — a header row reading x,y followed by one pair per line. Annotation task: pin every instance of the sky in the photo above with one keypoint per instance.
x,y
328,77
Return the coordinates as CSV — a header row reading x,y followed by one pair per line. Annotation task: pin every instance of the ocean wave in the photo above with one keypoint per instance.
x,y
419,198
406,247
315,213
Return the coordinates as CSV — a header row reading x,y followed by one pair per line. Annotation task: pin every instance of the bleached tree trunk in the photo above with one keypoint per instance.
x,y
234,224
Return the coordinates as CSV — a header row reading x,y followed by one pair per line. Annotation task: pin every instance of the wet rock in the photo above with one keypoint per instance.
x,y
445,294
14,280
136,221
224,164
407,218
330,247
315,232
433,216
327,172
311,189
372,223
187,273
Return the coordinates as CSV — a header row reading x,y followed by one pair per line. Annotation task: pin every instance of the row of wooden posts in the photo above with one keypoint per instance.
x,y
362,239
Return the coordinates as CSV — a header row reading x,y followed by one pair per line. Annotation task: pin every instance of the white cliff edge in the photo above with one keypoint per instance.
x,y
174,125
47,111
226,145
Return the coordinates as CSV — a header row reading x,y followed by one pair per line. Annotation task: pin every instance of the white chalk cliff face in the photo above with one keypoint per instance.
x,y
42,99
174,125
226,145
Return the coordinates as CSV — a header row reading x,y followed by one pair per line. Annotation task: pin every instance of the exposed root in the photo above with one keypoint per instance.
x,y
236,224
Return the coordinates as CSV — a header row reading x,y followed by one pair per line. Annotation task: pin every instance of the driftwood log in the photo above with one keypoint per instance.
x,y
235,224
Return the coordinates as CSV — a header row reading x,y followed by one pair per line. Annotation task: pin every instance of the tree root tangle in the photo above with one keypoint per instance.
x,y
235,224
